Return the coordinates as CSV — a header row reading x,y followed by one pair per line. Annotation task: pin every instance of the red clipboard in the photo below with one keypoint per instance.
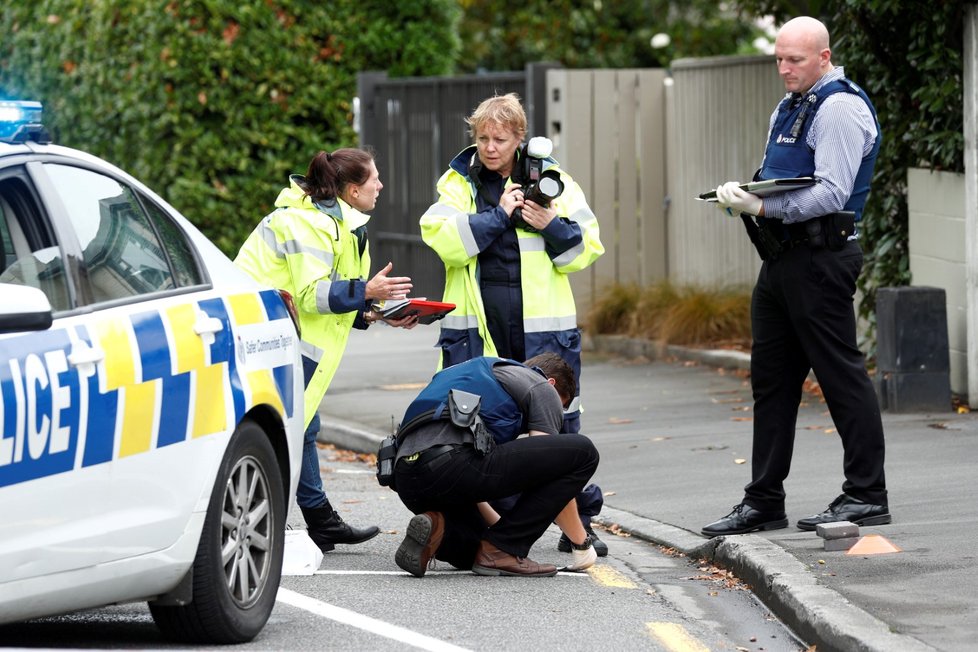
x,y
427,311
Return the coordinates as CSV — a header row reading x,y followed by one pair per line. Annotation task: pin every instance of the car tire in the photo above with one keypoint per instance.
x,y
238,565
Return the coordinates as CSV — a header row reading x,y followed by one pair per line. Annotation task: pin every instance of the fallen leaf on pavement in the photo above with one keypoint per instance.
x,y
618,421
740,460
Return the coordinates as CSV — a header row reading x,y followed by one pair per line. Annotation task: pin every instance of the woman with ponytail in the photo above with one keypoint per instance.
x,y
314,246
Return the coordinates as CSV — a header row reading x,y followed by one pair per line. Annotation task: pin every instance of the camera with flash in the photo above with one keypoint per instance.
x,y
539,186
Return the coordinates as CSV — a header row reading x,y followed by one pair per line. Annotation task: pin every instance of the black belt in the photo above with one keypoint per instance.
x,y
831,231
430,454
796,235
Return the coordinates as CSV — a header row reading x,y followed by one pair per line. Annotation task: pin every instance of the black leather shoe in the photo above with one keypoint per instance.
x,y
744,519
600,547
847,508
326,528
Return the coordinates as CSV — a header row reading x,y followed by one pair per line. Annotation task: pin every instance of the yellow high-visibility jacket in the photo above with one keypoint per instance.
x,y
549,320
318,253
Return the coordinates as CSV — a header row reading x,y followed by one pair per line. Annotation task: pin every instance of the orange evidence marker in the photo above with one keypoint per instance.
x,y
872,544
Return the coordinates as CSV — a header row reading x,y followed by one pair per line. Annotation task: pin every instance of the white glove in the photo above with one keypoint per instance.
x,y
732,200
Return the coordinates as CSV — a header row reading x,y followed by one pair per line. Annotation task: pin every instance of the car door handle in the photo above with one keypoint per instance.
x,y
85,357
206,326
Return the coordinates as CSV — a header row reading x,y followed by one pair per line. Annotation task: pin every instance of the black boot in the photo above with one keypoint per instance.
x,y
326,528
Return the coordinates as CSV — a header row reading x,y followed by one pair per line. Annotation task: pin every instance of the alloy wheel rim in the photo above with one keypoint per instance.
x,y
246,532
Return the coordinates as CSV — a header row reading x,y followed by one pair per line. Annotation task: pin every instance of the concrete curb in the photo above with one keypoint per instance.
x,y
348,436
816,613
628,347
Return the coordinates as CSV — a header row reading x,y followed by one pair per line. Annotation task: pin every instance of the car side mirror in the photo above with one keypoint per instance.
x,y
23,308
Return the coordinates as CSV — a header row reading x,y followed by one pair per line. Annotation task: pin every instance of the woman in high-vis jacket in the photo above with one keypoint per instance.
x,y
507,258
314,246
508,276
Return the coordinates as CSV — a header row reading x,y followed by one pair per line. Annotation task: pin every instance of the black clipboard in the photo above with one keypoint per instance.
x,y
766,187
426,311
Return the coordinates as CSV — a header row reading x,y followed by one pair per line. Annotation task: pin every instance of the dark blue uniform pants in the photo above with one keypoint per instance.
x,y
802,319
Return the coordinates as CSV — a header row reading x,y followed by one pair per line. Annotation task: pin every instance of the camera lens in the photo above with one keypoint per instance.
x,y
549,187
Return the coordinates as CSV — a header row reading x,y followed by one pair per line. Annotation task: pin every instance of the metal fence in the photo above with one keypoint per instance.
x,y
642,143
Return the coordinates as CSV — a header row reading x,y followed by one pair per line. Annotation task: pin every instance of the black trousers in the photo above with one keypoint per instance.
x,y
546,470
802,319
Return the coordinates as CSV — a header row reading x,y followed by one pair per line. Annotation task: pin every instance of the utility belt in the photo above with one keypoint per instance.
x,y
773,237
463,411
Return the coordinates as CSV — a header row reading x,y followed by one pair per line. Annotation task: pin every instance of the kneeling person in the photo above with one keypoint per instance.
x,y
442,476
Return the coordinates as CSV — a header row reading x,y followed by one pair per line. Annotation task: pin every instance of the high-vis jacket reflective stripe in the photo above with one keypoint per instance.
x,y
311,251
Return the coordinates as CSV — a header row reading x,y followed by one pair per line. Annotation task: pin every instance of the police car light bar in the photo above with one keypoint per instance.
x,y
20,121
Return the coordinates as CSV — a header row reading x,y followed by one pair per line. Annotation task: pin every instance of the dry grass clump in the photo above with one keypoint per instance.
x,y
689,315
613,310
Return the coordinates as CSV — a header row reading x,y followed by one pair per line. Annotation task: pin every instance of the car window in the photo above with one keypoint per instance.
x,y
122,252
180,251
29,255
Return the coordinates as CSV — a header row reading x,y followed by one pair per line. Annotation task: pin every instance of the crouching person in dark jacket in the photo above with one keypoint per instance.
x,y
450,463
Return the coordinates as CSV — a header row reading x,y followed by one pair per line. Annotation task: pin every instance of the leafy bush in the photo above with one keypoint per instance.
x,y
214,102
502,35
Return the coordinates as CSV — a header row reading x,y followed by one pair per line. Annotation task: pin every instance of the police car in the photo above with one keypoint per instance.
x,y
151,406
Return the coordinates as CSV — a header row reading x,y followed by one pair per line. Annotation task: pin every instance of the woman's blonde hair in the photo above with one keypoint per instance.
x,y
505,110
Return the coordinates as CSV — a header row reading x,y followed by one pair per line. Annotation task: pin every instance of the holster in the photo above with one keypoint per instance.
x,y
463,410
768,245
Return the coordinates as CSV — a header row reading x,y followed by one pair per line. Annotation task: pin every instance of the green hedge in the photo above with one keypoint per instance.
x,y
909,58
213,103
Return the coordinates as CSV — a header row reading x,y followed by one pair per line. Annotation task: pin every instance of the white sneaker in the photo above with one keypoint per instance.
x,y
583,556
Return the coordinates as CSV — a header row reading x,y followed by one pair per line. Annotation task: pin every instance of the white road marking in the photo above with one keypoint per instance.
x,y
366,623
445,572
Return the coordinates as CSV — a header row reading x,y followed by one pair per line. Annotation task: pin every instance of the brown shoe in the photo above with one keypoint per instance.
x,y
424,534
490,560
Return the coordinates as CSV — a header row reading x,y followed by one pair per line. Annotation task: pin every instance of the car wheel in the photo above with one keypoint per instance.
x,y
239,558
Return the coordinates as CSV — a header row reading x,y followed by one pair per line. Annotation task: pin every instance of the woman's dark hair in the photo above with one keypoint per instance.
x,y
329,173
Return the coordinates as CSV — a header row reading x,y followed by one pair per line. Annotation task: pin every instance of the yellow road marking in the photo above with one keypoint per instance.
x,y
608,576
675,638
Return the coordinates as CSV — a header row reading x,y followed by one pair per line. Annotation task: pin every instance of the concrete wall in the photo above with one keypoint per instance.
x,y
936,202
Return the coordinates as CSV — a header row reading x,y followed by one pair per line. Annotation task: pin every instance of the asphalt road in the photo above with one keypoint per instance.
x,y
675,441
638,598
